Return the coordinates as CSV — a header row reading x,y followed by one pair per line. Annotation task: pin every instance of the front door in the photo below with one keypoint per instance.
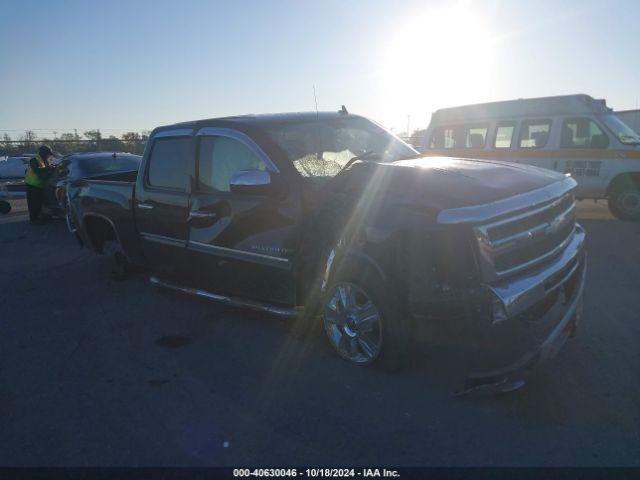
x,y
240,244
583,146
162,204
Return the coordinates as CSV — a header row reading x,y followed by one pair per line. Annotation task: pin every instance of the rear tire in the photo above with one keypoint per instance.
x,y
372,328
121,268
624,202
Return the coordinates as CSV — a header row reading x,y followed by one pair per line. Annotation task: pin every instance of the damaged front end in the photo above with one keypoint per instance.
x,y
523,298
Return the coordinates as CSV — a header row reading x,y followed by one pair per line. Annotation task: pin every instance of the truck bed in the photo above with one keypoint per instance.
x,y
109,198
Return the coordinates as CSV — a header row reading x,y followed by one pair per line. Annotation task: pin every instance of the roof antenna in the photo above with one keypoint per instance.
x,y
315,99
343,111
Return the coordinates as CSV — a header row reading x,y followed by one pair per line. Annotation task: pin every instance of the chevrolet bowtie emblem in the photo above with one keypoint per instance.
x,y
553,226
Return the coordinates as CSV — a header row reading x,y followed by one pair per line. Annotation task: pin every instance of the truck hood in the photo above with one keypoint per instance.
x,y
440,183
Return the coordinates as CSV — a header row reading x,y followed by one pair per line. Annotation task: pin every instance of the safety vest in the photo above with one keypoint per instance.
x,y
30,177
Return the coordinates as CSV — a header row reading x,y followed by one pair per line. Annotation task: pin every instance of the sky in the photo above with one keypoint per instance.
x,y
133,65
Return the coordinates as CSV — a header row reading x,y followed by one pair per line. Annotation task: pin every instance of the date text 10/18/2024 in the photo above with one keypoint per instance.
x,y
316,472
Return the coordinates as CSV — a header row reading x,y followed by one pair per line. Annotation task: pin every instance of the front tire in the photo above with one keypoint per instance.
x,y
624,202
365,323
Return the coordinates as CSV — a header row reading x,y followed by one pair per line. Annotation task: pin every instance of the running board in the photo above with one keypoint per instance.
x,y
236,302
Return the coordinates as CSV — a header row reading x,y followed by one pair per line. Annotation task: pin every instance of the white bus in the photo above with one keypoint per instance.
x,y
574,134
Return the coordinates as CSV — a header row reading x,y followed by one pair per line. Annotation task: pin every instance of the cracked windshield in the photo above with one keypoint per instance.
x,y
321,148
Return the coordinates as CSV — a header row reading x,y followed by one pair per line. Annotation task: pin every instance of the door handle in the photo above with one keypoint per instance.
x,y
145,206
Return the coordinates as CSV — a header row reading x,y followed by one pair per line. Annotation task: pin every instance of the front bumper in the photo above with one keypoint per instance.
x,y
12,190
517,296
543,311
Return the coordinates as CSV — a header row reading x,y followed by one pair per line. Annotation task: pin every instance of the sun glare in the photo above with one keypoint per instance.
x,y
439,58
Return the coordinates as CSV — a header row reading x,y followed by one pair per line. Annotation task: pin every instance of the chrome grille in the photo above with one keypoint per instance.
x,y
526,239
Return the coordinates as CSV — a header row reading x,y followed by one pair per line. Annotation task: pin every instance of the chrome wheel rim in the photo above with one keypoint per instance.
x,y
629,201
353,323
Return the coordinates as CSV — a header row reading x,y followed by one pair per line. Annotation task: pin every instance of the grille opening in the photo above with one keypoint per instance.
x,y
528,222
526,240
530,252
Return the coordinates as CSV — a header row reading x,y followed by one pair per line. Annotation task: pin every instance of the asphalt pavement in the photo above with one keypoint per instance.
x,y
98,372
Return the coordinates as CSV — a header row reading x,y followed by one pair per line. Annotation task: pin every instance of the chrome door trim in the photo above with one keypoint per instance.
x,y
278,262
237,302
244,139
488,211
173,242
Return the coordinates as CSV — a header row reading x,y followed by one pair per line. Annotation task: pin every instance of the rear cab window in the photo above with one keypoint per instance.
x,y
168,163
534,133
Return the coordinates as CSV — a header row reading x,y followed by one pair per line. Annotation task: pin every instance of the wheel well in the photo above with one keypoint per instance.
x,y
99,231
624,180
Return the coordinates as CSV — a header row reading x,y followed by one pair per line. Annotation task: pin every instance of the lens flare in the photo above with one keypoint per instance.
x,y
439,58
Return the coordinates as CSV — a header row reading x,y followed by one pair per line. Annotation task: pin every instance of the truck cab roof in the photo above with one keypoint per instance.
x,y
256,121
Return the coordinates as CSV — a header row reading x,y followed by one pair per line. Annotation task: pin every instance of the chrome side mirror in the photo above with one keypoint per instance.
x,y
250,178
253,182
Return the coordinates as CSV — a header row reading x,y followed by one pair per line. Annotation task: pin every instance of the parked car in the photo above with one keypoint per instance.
x,y
69,168
573,134
331,218
83,165
14,166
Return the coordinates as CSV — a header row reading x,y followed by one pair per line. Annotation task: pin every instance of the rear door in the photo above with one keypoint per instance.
x,y
241,244
162,202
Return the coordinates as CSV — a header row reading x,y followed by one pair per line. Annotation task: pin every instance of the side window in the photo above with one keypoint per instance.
x,y
476,135
582,132
504,134
168,163
220,158
443,137
534,133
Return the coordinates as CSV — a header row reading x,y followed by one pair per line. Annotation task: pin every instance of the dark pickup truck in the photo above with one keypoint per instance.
x,y
330,218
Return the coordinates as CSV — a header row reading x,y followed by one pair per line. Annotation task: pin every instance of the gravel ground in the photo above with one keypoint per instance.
x,y
97,372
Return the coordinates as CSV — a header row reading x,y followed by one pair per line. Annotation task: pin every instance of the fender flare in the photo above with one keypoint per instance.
x,y
340,259
89,237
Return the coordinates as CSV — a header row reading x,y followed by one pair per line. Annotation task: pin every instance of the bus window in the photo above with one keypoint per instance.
x,y
443,137
504,134
534,133
476,136
582,132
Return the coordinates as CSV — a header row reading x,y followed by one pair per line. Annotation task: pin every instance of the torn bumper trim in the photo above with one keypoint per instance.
x,y
518,295
548,348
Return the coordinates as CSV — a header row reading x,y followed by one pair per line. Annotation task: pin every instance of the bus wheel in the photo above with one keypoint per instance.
x,y
624,202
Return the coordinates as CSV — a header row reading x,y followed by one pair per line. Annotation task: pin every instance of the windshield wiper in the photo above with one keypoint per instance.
x,y
368,155
410,157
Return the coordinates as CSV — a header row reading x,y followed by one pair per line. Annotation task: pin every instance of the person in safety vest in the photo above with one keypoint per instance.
x,y
37,173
